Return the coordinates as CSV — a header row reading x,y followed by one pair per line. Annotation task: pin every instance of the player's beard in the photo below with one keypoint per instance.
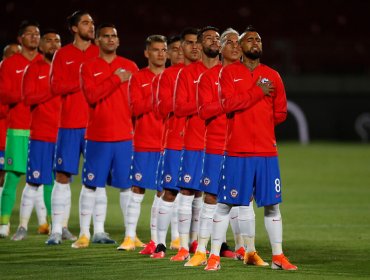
x,y
253,55
85,37
211,53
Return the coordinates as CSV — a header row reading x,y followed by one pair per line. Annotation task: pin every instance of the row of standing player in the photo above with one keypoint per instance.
x,y
104,85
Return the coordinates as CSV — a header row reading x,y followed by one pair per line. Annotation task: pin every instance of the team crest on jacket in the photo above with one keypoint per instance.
x,y
168,178
264,80
90,176
234,193
36,174
9,161
2,160
138,176
60,160
187,178
206,181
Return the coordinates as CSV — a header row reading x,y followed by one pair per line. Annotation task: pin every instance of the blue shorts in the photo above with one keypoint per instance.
x,y
159,173
191,170
144,169
107,163
211,173
245,177
70,145
2,159
171,166
40,162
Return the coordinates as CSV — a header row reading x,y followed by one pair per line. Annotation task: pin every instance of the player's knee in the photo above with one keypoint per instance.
x,y
169,195
272,211
223,209
138,190
62,177
210,198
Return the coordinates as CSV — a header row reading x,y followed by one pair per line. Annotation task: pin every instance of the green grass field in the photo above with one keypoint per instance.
x,y
326,214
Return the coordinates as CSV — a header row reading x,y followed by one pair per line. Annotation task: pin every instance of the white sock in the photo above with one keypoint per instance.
x,y
133,214
58,203
184,215
86,205
67,205
274,228
40,206
124,196
165,209
205,225
175,220
196,207
234,223
153,219
100,210
219,227
27,202
247,223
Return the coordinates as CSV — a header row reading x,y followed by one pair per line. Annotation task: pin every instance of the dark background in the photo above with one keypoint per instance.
x,y
320,48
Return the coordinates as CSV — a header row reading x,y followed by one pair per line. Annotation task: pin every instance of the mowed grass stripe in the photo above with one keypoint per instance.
x,y
326,190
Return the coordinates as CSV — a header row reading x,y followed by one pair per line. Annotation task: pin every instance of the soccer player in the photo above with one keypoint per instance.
x,y
147,139
11,49
8,51
18,122
173,142
210,110
190,200
65,82
104,82
43,130
253,96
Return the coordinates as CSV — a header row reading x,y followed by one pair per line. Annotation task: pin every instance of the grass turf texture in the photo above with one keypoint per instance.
x,y
326,223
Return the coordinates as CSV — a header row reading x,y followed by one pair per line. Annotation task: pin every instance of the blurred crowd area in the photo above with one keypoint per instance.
x,y
300,36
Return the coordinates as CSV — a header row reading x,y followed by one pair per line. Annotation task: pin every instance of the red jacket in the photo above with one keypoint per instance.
x,y
252,116
45,108
65,81
174,126
109,111
11,74
186,105
210,110
3,115
148,128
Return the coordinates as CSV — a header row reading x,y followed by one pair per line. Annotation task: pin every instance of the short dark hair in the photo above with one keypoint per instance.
x,y
155,39
75,18
26,23
250,28
173,39
48,30
103,25
187,31
204,29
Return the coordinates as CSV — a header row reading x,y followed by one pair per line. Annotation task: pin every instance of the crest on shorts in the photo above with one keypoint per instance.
x,y
2,160
206,181
60,160
234,193
36,174
187,178
138,176
168,178
9,161
90,176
